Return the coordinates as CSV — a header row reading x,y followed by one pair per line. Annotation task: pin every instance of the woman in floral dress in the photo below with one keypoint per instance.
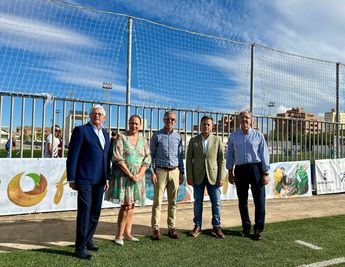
x,y
130,157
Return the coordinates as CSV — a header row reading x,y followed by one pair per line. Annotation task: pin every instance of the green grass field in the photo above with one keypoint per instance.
x,y
277,249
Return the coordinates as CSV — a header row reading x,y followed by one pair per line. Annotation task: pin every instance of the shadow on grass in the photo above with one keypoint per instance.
x,y
227,232
208,232
55,252
230,232
43,233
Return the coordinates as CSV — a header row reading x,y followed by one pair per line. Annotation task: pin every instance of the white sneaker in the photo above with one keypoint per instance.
x,y
119,241
132,238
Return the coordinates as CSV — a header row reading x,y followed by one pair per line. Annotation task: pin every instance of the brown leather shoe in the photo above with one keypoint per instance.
x,y
172,233
156,235
195,232
217,232
258,236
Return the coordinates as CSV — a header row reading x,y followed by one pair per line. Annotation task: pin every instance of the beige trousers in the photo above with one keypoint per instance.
x,y
165,180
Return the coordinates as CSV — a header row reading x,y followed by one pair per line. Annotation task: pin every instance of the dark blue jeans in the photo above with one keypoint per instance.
x,y
250,174
214,193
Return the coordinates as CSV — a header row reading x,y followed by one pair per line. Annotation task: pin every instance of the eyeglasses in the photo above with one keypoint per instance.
x,y
170,119
97,114
245,117
57,130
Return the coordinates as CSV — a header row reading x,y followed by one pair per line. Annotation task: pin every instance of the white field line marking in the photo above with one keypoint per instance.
x,y
307,244
325,263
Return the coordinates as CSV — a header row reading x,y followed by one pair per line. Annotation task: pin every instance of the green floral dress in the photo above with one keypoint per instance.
x,y
123,190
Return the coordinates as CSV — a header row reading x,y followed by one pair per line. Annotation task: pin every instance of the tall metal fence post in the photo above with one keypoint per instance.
x,y
1,103
44,104
129,69
252,51
22,128
11,126
337,115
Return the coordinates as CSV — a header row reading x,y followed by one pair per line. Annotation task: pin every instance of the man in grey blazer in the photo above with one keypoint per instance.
x,y
205,168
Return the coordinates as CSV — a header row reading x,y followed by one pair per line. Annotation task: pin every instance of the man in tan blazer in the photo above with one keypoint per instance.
x,y
205,168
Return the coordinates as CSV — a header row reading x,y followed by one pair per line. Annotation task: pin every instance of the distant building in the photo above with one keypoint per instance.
x,y
72,120
305,122
331,116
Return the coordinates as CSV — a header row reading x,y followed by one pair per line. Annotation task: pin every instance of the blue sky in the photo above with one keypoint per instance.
x,y
71,52
309,27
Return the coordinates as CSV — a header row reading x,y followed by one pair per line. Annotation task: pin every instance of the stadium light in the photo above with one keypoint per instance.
x,y
107,85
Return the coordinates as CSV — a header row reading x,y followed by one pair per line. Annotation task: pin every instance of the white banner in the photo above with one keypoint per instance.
x,y
34,185
39,185
330,176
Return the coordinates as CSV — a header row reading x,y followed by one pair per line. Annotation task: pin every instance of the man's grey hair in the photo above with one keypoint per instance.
x,y
97,107
245,111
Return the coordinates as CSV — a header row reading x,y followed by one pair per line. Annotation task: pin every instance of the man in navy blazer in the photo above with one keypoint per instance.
x,y
87,172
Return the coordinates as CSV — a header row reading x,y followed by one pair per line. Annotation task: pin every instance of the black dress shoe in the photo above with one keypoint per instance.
x,y
83,254
244,233
258,236
92,247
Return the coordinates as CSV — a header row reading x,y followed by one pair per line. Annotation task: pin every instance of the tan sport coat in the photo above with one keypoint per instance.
x,y
211,164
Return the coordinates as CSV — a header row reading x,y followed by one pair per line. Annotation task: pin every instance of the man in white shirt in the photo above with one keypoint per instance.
x,y
205,168
51,145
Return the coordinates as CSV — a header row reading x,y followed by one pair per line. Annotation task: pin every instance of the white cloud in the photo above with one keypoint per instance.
x,y
26,28
139,96
311,28
282,109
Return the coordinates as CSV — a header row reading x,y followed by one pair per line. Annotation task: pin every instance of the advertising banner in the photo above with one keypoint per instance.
x,y
34,185
40,185
289,179
330,176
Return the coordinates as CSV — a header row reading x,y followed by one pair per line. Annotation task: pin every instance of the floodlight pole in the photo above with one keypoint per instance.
x,y
129,69
252,51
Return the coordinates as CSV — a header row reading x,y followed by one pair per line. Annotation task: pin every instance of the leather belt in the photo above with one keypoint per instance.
x,y
248,165
167,168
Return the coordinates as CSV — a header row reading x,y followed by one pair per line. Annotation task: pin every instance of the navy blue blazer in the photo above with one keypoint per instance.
x,y
87,162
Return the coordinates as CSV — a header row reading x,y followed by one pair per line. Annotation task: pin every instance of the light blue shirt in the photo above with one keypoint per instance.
x,y
167,150
247,148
